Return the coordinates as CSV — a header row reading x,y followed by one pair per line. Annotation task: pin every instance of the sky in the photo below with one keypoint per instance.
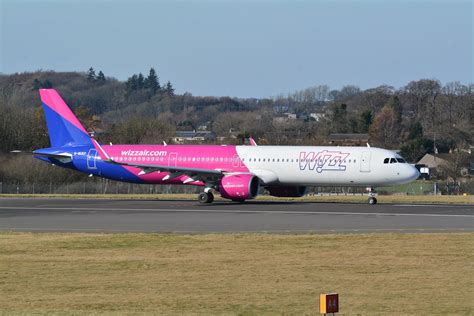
x,y
244,48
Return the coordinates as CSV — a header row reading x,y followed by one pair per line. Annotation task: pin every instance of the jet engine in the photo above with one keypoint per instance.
x,y
239,187
287,191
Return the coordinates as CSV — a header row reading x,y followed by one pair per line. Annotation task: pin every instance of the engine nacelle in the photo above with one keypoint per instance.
x,y
239,187
287,191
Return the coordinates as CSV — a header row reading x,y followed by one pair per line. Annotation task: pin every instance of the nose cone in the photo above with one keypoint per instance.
x,y
412,173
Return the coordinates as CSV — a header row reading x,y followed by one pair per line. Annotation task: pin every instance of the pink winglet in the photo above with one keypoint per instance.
x,y
53,100
252,142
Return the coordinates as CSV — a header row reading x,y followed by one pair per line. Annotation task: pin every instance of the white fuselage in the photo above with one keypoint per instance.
x,y
338,166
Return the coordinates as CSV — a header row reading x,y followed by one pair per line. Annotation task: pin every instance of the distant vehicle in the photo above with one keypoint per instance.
x,y
424,171
235,172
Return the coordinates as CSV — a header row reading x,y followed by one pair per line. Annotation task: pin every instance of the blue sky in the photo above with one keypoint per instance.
x,y
244,48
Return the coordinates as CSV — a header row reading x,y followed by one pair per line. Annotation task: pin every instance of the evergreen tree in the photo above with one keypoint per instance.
x,y
47,84
132,83
140,81
415,131
397,108
36,84
91,75
366,119
339,120
152,81
101,77
169,90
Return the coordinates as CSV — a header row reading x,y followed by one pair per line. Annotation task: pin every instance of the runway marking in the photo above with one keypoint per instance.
x,y
275,231
432,205
230,211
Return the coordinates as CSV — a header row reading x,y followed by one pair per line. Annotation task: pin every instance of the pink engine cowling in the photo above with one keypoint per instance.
x,y
239,187
287,191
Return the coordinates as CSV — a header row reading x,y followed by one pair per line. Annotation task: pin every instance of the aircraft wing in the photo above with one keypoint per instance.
x,y
148,168
193,174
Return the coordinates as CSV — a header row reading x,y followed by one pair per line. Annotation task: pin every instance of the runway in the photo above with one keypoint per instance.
x,y
98,215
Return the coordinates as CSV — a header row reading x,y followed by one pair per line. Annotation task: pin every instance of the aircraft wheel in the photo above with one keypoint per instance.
x,y
211,197
206,197
372,200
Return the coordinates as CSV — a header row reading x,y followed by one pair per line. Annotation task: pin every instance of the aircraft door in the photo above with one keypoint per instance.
x,y
92,159
365,161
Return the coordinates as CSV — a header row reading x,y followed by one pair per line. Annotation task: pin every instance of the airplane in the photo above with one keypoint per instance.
x,y
235,172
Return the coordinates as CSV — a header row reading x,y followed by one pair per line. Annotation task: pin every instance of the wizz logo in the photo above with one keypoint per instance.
x,y
324,160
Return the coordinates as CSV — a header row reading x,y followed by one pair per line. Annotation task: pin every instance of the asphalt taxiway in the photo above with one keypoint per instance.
x,y
101,215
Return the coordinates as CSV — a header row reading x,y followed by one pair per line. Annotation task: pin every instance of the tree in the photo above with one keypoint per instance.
x,y
47,84
339,123
397,108
423,94
132,83
169,90
365,120
100,77
414,149
140,81
36,84
152,81
91,77
415,146
384,129
451,169
415,131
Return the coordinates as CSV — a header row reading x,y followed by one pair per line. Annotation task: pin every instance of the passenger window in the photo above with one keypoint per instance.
x,y
386,160
392,160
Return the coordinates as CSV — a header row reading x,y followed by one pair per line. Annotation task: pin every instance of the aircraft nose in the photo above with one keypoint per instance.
x,y
413,173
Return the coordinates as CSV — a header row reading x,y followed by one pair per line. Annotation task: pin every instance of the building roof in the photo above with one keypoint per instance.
x,y
348,136
433,160
192,134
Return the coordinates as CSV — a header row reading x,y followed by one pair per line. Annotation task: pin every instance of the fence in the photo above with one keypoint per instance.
x,y
104,186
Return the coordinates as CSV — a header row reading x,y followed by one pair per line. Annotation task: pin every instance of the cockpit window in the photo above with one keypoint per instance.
x,y
401,160
386,160
392,160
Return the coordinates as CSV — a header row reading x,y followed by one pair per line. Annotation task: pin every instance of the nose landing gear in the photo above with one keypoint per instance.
x,y
372,199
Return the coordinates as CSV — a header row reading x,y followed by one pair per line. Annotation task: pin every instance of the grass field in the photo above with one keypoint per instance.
x,y
413,199
250,274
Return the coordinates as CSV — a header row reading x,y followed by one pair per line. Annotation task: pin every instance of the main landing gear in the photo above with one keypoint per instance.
x,y
206,196
372,199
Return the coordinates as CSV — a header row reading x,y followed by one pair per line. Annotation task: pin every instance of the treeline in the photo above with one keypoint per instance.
x,y
423,116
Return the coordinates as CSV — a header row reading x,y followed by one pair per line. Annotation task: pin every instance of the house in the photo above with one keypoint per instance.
x,y
284,118
433,161
182,137
317,116
349,139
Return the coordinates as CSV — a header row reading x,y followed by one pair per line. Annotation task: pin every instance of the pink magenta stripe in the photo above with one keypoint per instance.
x,y
187,156
54,101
